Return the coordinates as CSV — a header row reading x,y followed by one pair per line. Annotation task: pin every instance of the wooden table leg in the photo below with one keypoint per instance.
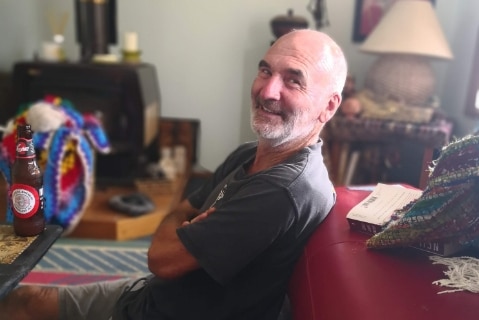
x,y
426,162
335,155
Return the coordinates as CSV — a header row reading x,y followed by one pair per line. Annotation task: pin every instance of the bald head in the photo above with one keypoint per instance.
x,y
320,50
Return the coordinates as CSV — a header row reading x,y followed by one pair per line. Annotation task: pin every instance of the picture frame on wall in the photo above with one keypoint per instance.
x,y
367,14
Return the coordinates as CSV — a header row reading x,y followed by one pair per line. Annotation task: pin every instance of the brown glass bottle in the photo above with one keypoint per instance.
x,y
26,191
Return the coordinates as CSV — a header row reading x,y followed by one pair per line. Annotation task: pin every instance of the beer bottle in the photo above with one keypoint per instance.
x,y
26,190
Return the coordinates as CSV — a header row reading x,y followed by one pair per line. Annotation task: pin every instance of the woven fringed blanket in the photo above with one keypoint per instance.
x,y
448,209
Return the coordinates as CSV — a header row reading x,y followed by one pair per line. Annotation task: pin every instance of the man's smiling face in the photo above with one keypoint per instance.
x,y
288,94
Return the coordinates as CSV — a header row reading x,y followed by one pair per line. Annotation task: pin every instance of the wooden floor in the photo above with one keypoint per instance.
x,y
101,222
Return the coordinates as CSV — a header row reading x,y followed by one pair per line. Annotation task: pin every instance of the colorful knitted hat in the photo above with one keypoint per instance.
x,y
64,140
447,209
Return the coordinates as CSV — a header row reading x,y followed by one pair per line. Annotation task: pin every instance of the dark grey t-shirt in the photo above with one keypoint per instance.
x,y
248,247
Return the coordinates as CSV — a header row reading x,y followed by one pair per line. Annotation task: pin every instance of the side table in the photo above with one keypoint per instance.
x,y
99,221
18,264
340,132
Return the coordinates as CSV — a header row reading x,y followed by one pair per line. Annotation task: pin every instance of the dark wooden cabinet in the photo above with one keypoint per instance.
x,y
361,150
124,96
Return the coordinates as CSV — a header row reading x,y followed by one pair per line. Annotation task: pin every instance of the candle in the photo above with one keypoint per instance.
x,y
131,42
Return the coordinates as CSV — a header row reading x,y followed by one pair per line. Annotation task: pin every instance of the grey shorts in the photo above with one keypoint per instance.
x,y
95,300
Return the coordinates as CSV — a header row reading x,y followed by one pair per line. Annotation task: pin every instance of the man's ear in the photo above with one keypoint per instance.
x,y
331,108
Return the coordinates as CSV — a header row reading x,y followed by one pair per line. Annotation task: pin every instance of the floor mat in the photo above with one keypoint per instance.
x,y
70,262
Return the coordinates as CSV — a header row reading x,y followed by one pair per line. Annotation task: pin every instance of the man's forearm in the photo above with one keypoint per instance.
x,y
167,257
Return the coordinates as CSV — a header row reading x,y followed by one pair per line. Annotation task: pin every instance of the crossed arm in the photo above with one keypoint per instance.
x,y
167,256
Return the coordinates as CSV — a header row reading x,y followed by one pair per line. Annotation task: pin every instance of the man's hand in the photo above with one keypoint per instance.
x,y
199,217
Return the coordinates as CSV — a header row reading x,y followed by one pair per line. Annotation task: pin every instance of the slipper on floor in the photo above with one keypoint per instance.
x,y
135,204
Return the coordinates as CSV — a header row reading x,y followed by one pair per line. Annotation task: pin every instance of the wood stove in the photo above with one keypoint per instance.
x,y
125,97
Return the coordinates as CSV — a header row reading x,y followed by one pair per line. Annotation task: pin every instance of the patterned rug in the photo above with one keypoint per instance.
x,y
70,262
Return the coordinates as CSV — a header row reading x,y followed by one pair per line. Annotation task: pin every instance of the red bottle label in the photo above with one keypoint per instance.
x,y
25,200
25,148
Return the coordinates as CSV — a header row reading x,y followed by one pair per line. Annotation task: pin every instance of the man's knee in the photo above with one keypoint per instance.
x,y
31,302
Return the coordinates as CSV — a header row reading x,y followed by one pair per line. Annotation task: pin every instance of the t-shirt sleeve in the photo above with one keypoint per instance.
x,y
240,229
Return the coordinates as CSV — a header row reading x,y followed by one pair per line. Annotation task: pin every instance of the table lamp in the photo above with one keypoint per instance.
x,y
405,39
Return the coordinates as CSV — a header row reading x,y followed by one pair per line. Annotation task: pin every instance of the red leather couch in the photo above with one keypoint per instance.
x,y
337,277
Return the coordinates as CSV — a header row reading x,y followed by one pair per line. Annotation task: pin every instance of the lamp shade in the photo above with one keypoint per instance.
x,y
409,27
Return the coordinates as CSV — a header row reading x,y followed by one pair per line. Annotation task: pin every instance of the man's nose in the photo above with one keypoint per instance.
x,y
272,89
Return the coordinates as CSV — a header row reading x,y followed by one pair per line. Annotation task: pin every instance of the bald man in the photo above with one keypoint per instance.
x,y
228,250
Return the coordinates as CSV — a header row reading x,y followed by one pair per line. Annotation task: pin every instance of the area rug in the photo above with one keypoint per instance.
x,y
80,262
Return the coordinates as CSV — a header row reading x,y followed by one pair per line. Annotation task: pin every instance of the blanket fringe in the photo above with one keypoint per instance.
x,y
462,273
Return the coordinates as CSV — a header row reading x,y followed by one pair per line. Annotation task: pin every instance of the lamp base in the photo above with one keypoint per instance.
x,y
408,79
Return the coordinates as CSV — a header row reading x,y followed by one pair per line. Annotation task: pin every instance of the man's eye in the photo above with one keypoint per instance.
x,y
294,82
264,71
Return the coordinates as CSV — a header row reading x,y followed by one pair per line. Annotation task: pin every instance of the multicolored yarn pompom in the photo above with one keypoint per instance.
x,y
447,209
66,154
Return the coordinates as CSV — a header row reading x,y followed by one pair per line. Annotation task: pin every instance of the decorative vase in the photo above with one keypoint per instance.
x,y
283,24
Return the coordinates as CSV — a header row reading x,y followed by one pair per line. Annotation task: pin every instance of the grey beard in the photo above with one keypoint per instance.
x,y
275,136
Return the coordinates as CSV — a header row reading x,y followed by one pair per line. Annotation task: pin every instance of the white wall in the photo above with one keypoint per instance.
x,y
463,35
206,53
